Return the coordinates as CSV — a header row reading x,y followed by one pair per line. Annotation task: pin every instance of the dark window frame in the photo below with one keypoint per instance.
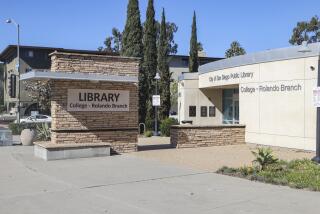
x,y
204,111
29,53
212,111
192,111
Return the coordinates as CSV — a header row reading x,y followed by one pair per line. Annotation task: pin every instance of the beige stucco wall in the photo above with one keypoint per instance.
x,y
190,95
282,117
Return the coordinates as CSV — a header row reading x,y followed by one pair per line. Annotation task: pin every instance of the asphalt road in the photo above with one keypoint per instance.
x,y
129,184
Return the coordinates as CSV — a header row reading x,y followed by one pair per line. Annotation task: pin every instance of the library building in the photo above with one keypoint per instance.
x,y
269,95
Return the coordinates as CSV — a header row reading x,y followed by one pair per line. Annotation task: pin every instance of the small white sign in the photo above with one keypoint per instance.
x,y
316,97
97,100
156,100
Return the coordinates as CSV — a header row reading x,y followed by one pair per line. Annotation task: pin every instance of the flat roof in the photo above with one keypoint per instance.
x,y
293,52
10,49
47,75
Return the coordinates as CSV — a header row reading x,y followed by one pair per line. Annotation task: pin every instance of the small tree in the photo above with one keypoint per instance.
x,y
171,29
149,63
132,34
112,43
264,157
132,47
193,55
163,68
235,50
149,116
40,92
306,31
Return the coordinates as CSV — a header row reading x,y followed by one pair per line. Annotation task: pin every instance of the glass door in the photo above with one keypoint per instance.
x,y
230,104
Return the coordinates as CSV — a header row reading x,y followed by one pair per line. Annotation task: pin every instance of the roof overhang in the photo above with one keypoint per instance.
x,y
49,75
279,54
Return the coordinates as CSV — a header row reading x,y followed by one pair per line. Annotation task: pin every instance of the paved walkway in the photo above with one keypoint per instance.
x,y
129,184
208,158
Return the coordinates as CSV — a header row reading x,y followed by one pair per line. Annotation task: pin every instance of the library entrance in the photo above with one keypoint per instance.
x,y
230,106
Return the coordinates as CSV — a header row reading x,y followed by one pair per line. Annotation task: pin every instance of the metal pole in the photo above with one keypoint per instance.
x,y
18,54
156,114
317,157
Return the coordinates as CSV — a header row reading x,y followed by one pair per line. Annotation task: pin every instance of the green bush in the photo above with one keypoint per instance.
x,y
165,126
16,128
148,133
43,132
228,170
300,174
264,157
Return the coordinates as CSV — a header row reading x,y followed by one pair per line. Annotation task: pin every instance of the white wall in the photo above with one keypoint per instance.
x,y
190,95
279,117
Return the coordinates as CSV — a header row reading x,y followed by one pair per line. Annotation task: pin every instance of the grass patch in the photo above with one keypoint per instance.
x,y
300,174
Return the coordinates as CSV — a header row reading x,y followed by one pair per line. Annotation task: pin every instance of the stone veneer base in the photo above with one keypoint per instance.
x,y
60,153
191,136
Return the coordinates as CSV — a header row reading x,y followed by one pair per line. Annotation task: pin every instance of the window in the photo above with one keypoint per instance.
x,y
204,111
30,54
192,111
212,111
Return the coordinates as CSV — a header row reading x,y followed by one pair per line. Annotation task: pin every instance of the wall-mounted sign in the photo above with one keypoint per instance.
x,y
97,100
316,97
156,100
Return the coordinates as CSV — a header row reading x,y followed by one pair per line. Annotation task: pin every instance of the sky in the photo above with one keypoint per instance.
x,y
84,24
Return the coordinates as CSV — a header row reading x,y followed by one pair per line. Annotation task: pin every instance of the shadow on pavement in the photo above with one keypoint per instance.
x,y
154,147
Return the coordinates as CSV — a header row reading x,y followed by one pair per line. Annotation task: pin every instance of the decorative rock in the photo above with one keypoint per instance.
x,y
183,136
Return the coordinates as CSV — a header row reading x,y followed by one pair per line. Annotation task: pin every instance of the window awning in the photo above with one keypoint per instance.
x,y
47,75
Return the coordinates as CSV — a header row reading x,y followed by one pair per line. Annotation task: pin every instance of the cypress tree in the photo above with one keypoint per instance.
x,y
132,47
193,55
163,67
132,34
149,64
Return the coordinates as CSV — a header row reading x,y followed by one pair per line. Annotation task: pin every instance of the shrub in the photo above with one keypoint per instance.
x,y
43,132
247,170
16,128
166,124
148,133
301,174
264,157
227,170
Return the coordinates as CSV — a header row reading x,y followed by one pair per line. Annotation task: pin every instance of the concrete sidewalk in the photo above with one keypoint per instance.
x,y
209,158
128,184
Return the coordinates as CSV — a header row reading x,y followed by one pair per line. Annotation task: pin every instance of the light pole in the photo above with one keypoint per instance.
x,y
317,157
304,49
11,21
157,77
